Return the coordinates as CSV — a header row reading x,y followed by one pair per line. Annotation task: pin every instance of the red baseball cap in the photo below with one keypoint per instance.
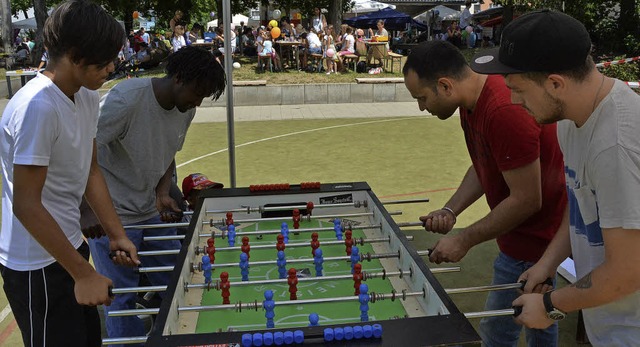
x,y
197,181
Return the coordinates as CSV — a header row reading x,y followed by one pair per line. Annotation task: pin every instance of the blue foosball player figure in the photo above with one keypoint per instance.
x,y
314,319
318,260
282,264
206,268
363,297
355,257
284,230
231,235
337,227
244,266
269,305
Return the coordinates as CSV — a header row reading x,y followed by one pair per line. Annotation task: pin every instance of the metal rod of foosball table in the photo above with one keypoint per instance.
x,y
144,289
262,209
410,224
363,256
406,201
356,241
367,275
304,218
181,237
493,313
157,225
124,340
485,288
277,231
239,306
163,252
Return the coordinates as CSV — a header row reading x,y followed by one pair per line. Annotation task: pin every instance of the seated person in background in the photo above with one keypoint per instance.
x,y
248,43
177,41
193,184
44,60
381,32
22,54
195,33
454,35
268,50
143,57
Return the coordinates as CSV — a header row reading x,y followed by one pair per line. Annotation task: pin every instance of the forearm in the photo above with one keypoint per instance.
x,y
467,193
617,277
162,189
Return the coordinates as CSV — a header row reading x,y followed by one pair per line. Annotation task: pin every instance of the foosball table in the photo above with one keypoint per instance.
x,y
311,264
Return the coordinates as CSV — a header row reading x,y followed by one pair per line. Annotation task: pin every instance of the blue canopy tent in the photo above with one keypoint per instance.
x,y
393,20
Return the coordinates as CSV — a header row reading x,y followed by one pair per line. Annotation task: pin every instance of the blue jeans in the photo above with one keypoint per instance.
x,y
125,277
503,331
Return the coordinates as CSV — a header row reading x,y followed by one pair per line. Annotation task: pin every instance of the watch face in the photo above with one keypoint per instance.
x,y
556,315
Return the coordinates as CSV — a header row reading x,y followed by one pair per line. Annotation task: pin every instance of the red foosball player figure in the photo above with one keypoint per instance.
x,y
348,240
296,218
293,284
245,248
211,251
210,243
309,207
229,219
357,278
224,287
314,244
280,246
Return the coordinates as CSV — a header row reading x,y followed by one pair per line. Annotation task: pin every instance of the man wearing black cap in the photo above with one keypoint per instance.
x,y
545,55
517,166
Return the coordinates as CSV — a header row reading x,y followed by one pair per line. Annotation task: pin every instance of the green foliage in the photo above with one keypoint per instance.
x,y
624,72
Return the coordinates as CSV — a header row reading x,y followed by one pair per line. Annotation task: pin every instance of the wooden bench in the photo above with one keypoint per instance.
x,y
392,58
249,83
348,58
316,58
380,80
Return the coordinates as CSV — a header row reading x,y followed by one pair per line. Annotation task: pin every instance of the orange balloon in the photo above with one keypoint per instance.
x,y
275,33
136,14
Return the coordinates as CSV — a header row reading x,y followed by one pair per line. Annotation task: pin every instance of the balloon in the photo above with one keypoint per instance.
x,y
469,29
212,14
273,23
236,65
276,14
275,33
330,52
136,14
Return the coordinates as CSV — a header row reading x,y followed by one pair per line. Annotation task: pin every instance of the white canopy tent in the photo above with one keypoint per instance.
x,y
236,19
29,23
444,14
366,6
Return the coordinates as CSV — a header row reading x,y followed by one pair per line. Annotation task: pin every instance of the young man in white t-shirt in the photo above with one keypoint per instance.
x,y
49,161
598,125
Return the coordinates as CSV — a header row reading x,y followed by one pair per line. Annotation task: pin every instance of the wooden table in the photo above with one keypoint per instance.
x,y
294,48
25,75
376,50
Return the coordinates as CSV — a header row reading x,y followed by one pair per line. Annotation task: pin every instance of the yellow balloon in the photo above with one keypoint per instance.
x,y
275,33
273,23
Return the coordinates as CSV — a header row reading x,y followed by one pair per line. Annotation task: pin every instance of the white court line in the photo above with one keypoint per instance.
x,y
301,132
4,313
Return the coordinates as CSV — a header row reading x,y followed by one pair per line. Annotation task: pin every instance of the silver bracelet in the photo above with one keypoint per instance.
x,y
455,218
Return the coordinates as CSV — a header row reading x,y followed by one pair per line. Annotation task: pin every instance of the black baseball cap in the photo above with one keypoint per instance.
x,y
539,41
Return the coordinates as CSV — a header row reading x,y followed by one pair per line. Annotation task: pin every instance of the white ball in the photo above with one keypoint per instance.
x,y
236,65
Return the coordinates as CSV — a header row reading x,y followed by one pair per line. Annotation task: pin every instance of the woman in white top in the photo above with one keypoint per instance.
x,y
318,22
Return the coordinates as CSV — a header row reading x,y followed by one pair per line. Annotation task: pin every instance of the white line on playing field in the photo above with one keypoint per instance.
x,y
4,313
298,133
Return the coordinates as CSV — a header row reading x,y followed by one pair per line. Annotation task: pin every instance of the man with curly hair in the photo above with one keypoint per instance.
x,y
142,124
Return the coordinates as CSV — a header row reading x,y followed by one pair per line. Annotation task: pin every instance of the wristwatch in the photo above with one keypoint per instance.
x,y
552,312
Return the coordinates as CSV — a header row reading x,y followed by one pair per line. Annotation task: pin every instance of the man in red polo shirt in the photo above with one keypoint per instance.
x,y
517,165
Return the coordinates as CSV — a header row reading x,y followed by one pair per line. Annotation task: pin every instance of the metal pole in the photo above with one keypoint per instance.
x,y
124,340
228,67
494,313
407,201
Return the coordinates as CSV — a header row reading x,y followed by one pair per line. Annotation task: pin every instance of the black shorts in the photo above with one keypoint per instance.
x,y
45,307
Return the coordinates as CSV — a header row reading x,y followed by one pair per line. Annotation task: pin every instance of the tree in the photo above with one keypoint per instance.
x,y
40,11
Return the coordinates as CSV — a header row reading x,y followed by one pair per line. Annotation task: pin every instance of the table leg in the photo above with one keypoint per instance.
x,y
23,80
9,87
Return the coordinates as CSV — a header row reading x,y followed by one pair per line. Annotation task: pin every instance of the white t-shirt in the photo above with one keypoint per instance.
x,y
349,44
178,42
41,126
314,40
465,17
602,170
